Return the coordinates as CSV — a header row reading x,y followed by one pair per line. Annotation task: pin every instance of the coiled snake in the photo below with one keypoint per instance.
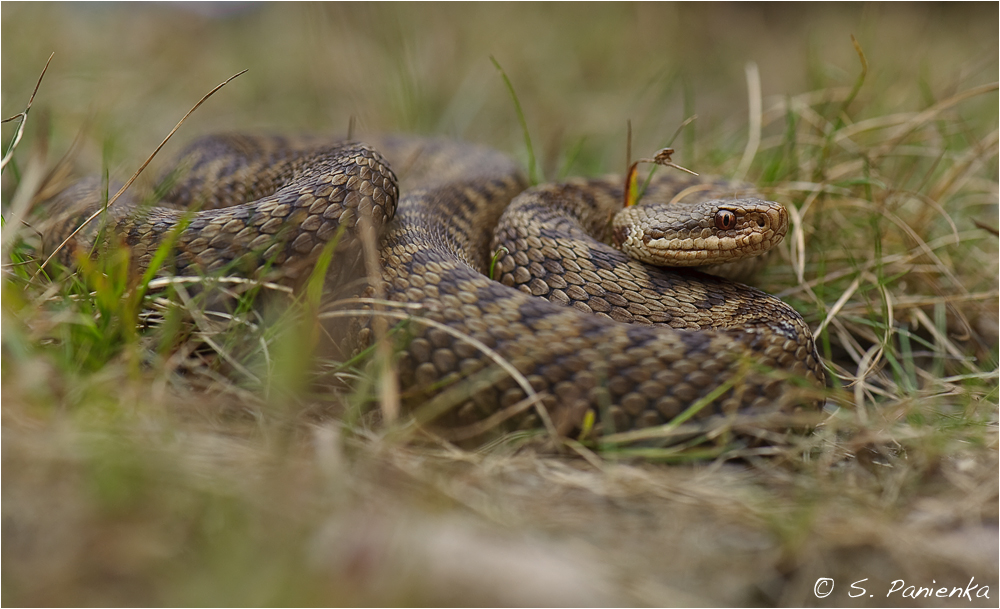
x,y
556,310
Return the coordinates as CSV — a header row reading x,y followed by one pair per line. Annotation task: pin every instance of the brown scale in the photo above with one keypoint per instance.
x,y
688,332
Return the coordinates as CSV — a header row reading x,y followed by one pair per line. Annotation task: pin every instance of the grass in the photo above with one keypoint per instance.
x,y
157,452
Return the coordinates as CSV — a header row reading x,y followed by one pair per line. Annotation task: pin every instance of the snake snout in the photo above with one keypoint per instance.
x,y
775,218
770,221
755,215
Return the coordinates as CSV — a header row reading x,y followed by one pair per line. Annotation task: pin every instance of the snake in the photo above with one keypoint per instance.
x,y
524,303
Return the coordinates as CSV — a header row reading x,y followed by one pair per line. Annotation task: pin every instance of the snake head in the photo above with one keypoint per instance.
x,y
700,233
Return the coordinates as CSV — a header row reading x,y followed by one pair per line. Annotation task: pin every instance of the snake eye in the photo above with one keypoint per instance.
x,y
725,219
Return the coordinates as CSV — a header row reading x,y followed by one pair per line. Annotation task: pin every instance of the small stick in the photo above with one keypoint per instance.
x,y
24,116
661,158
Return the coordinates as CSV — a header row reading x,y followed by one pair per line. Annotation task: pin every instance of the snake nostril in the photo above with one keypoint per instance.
x,y
760,222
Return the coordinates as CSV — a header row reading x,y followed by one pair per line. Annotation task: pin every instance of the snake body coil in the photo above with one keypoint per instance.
x,y
690,335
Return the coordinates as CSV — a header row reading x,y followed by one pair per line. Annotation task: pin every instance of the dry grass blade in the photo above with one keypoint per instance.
x,y
23,115
755,108
162,282
518,377
940,338
865,367
926,116
135,175
207,332
491,422
453,396
389,401
963,169
803,103
32,178
797,244
837,306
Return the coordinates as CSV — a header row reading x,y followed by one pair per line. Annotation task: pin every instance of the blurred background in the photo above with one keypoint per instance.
x,y
123,74
123,487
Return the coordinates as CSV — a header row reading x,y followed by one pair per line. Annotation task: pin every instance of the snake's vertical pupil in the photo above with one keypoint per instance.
x,y
725,220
